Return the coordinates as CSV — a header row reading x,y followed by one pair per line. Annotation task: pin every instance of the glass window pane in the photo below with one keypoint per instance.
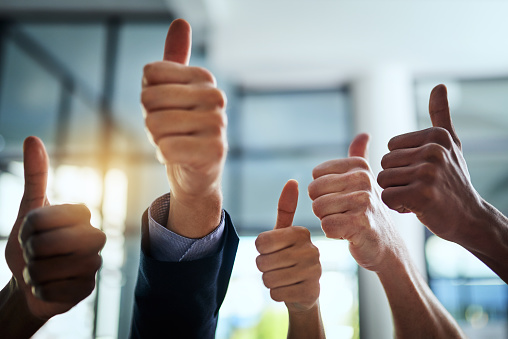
x,y
29,104
278,120
261,187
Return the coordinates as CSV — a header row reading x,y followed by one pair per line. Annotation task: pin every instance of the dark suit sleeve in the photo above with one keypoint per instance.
x,y
182,299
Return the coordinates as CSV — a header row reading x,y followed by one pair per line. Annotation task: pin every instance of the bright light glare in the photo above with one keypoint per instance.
x,y
78,185
115,200
11,190
449,260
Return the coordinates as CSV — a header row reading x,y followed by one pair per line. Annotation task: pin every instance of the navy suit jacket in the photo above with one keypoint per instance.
x,y
181,299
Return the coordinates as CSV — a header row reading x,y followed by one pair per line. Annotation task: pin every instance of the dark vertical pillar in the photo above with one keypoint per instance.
x,y
4,27
106,118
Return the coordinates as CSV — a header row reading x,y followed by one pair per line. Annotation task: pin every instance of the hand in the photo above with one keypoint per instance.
x,y
185,119
52,251
425,173
288,259
346,199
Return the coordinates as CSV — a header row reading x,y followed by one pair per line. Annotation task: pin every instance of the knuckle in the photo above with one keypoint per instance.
x,y
427,193
218,148
260,263
361,179
35,273
276,295
267,280
312,190
149,70
319,271
302,232
427,172
81,291
315,290
385,160
203,74
89,285
316,254
434,152
362,198
329,226
93,264
215,97
387,197
82,210
42,292
382,177
217,122
318,206
33,217
147,96
150,123
440,136
33,247
101,238
360,220
393,142
261,242
361,163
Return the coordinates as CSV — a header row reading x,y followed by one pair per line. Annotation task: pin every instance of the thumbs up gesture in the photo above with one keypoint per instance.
x,y
425,173
347,200
288,259
185,120
52,251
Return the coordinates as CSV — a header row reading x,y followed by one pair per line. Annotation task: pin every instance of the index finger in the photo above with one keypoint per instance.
x,y
51,217
437,135
339,166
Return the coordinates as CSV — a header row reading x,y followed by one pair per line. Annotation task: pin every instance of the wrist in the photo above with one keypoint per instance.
x,y
14,312
306,324
194,216
484,230
300,312
489,240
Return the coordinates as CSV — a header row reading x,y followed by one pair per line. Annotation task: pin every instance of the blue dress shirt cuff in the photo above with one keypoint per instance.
x,y
166,245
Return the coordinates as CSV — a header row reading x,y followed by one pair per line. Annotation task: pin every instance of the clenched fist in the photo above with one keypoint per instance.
x,y
346,199
291,267
425,173
52,251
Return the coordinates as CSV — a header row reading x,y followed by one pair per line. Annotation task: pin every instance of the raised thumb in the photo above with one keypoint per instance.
x,y
287,205
440,111
36,164
178,42
359,146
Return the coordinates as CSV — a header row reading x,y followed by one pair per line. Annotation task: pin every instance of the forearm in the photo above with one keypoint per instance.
x,y
306,325
416,311
490,243
15,317
195,217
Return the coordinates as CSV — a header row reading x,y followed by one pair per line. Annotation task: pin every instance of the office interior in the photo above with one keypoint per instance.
x,y
302,78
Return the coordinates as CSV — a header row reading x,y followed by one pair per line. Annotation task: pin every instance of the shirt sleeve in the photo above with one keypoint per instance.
x,y
166,245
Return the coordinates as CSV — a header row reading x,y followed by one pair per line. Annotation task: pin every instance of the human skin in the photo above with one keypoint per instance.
x,y
425,173
52,251
291,268
185,119
347,200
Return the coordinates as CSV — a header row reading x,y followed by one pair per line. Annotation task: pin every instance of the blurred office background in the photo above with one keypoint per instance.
x,y
302,77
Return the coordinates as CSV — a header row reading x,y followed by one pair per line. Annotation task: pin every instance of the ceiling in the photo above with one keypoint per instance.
x,y
322,42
